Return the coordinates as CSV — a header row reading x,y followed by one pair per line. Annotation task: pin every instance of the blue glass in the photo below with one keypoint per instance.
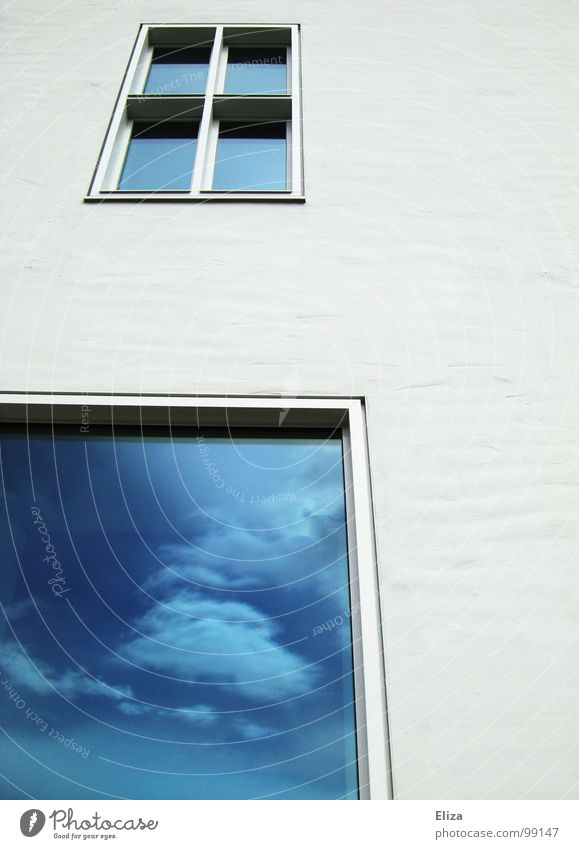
x,y
256,70
251,157
160,156
177,70
176,616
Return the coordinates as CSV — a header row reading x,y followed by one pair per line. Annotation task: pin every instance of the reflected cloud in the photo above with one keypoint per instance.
x,y
220,642
254,730
43,679
202,715
226,558
201,596
19,609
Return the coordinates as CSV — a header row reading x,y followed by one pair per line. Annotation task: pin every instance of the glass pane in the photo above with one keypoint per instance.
x,y
251,157
160,156
256,70
177,616
178,70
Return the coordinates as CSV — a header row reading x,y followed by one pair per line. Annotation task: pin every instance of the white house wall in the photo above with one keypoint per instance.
x,y
433,270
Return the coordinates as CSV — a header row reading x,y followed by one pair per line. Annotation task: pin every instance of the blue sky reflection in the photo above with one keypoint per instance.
x,y
183,656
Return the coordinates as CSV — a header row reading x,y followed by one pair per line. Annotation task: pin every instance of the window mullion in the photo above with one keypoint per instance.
x,y
206,118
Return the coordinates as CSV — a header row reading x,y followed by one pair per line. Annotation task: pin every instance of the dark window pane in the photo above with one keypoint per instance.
x,y
251,157
176,616
160,156
178,70
256,70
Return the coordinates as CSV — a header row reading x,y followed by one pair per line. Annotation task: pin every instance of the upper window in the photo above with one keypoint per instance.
x,y
206,113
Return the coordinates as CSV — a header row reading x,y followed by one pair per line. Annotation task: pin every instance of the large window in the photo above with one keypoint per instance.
x,y
206,113
182,603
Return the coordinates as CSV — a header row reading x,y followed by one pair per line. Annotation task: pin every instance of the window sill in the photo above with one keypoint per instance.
x,y
138,197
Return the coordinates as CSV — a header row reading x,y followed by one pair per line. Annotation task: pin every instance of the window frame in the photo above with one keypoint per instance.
x,y
208,108
346,415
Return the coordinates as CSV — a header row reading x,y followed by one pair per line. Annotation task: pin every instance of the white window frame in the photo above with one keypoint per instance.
x,y
347,415
208,109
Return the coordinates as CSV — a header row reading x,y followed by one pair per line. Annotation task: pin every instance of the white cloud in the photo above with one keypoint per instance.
x,y
19,609
134,708
222,642
254,730
227,558
202,715
71,683
197,715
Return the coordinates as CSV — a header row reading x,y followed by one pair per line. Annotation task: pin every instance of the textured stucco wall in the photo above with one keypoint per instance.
x,y
433,269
